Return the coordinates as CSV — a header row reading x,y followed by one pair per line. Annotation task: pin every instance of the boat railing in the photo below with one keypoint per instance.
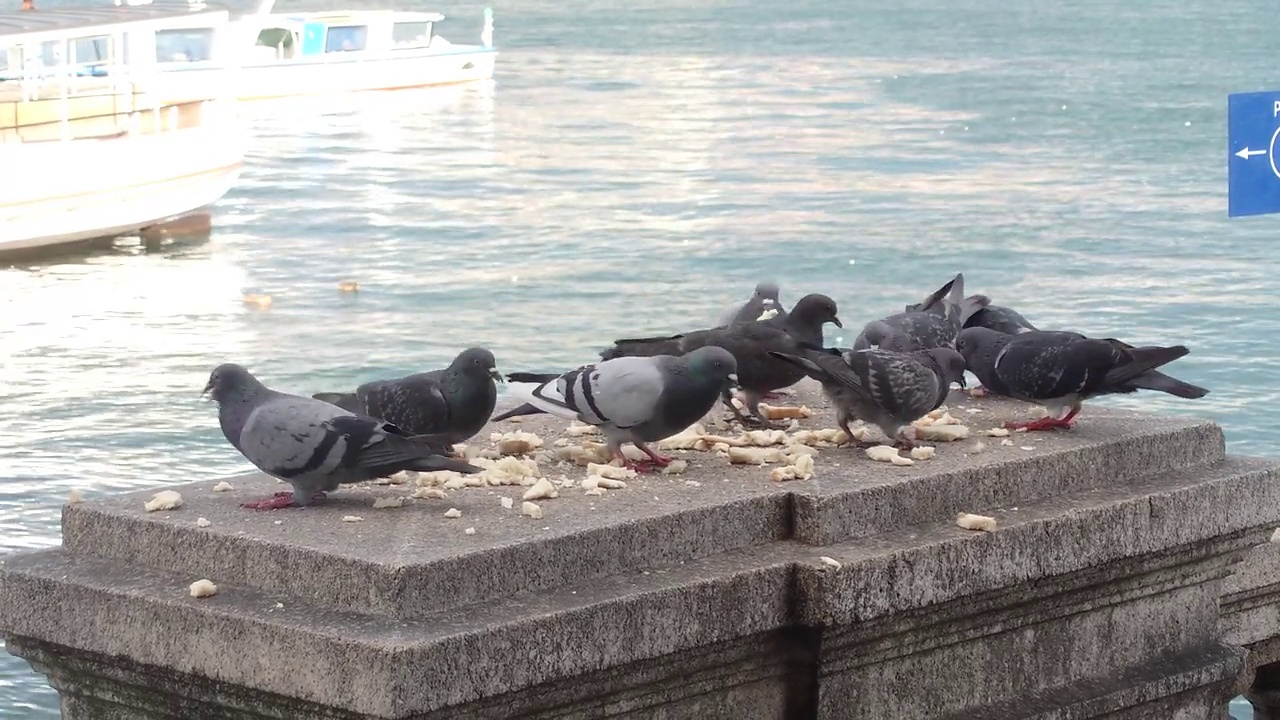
x,y
54,95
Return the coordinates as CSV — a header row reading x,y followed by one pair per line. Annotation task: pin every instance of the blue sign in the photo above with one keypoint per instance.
x,y
1253,176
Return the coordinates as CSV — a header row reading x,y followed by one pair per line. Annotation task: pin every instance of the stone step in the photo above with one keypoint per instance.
x,y
392,666
411,561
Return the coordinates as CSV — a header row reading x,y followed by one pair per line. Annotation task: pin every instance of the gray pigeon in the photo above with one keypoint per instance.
x,y
1000,318
764,298
885,388
750,343
634,399
455,401
313,445
1060,370
936,322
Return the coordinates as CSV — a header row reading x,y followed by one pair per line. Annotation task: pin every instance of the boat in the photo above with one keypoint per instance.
x,y
92,145
280,55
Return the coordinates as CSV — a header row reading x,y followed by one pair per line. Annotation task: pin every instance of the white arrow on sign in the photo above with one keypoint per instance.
x,y
1246,153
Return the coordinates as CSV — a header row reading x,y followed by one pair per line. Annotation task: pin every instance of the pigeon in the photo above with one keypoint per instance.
x,y
455,401
1060,370
934,323
634,399
764,298
1000,318
311,444
750,343
885,388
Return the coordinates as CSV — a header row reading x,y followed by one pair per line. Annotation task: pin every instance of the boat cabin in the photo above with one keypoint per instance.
x,y
317,37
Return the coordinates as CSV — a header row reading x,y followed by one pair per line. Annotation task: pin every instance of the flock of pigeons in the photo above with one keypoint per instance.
x,y
900,368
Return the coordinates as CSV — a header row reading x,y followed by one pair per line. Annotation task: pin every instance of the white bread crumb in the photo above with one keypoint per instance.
x,y
203,589
163,500
453,513
976,522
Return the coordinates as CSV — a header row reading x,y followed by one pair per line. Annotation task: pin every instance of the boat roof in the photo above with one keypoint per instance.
x,y
351,16
57,22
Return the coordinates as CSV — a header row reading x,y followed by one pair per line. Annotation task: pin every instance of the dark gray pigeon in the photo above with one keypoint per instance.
x,y
634,399
764,298
750,343
1060,370
311,444
936,322
884,388
455,401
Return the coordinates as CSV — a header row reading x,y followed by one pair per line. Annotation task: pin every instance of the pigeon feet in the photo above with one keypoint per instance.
x,y
1045,423
278,501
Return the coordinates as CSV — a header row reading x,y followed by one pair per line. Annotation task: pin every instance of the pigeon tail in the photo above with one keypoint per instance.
x,y
971,306
525,409
1142,360
346,401
644,347
397,452
1156,380
543,396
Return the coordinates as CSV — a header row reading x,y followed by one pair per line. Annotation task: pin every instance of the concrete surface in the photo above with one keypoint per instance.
x,y
694,595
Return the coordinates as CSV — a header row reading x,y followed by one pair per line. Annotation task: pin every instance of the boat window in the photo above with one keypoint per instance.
x,y
91,54
405,35
281,43
346,38
184,45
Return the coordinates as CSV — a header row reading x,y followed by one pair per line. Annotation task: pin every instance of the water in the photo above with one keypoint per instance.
x,y
635,167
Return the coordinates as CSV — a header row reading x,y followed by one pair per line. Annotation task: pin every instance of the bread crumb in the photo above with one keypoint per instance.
x,y
470,531
428,493
1006,442
923,452
223,486
541,490
517,442
594,491
997,432
531,509
977,447
577,429
352,518
784,412
801,469
976,522
942,433
164,500
1275,536
507,502
889,454
203,522
453,513
1027,447
609,483
74,496
203,589
830,562
687,439
676,467
388,502
614,472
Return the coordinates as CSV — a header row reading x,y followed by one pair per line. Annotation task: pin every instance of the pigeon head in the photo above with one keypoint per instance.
x,y
767,293
476,362
816,309
951,364
713,365
978,342
230,380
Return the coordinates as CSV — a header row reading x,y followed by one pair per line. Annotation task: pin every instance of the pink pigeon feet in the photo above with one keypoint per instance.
x,y
278,501
1047,422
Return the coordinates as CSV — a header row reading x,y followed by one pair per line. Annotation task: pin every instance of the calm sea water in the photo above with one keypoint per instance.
x,y
635,167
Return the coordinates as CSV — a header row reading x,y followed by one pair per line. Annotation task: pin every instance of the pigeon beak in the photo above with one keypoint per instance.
x,y
497,376
836,321
733,378
208,388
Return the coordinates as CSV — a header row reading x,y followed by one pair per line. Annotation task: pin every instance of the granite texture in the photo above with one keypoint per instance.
x,y
694,595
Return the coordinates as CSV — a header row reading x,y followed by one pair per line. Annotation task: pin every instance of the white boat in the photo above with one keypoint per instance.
x,y
91,145
276,55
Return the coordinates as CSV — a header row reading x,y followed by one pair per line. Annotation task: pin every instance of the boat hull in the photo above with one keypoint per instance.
x,y
96,188
336,74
